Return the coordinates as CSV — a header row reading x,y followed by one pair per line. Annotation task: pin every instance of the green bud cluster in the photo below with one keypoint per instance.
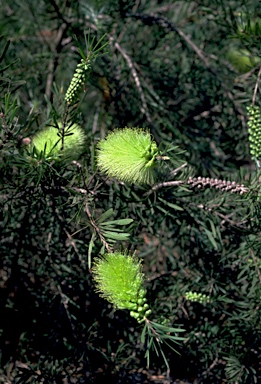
x,y
141,307
254,130
79,78
119,280
197,297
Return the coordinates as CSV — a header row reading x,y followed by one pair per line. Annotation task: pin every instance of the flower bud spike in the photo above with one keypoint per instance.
x,y
254,131
77,83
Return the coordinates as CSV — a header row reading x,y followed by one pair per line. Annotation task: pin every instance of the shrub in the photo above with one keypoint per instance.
x,y
181,192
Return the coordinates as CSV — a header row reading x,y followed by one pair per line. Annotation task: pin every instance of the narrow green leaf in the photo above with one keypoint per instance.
x,y
164,358
118,222
143,334
154,346
105,216
4,50
116,235
211,238
109,228
167,213
65,268
171,205
213,228
165,328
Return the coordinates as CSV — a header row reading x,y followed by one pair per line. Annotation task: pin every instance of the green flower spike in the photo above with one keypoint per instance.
x,y
50,145
254,130
83,69
78,81
119,280
128,154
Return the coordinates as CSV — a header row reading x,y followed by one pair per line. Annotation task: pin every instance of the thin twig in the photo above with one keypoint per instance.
x,y
174,183
55,47
198,51
215,362
152,18
72,243
231,222
65,301
256,87
176,170
95,121
96,228
144,106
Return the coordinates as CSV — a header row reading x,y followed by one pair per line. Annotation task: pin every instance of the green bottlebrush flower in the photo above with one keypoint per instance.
x,y
254,130
50,145
242,60
128,154
119,280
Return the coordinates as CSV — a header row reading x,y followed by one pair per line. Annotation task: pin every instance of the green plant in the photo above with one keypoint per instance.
x,y
58,143
254,130
120,281
83,70
129,155
242,59
192,221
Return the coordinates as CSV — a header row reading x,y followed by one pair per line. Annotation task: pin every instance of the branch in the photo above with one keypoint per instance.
x,y
256,87
165,184
144,106
72,243
55,48
96,228
152,18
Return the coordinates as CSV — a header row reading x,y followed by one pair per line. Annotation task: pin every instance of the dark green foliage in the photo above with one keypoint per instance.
x,y
165,68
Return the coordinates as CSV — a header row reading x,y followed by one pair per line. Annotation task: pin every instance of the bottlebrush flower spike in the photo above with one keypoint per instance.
x,y
254,130
84,68
50,145
78,81
119,280
128,154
